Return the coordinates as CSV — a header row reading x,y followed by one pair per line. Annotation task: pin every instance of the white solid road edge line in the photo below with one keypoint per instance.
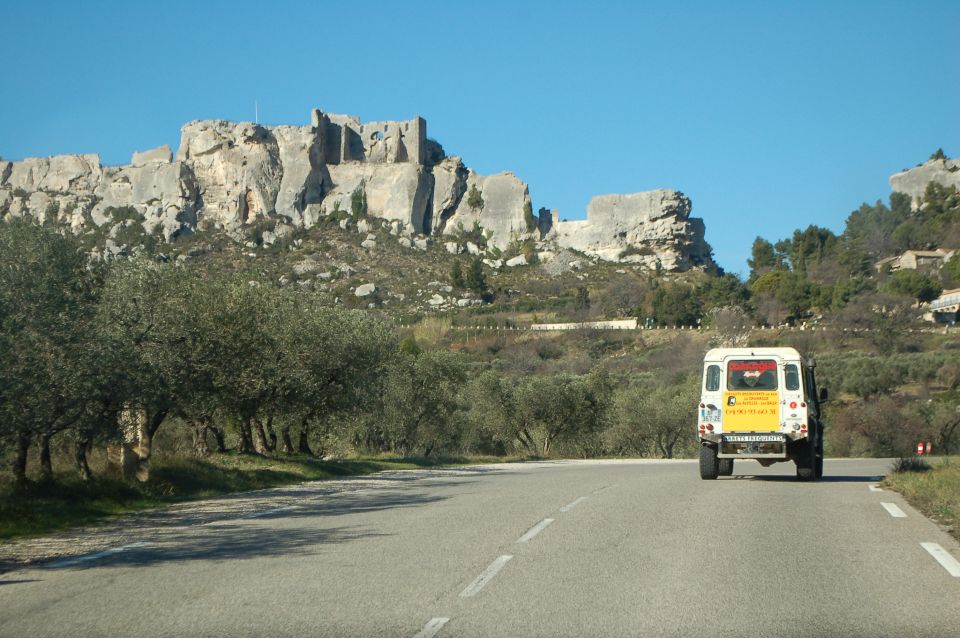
x,y
894,511
571,505
269,512
945,558
533,531
486,576
67,562
432,628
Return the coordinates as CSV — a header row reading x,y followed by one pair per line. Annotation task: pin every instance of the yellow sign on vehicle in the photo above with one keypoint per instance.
x,y
751,411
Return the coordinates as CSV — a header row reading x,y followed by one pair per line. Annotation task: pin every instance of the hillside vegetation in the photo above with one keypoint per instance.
x,y
205,346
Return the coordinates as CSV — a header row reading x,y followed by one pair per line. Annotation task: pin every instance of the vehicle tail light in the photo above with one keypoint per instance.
x,y
793,405
803,405
709,427
703,405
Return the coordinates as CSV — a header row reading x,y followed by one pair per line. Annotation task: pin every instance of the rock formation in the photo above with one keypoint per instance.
x,y
230,176
653,228
914,181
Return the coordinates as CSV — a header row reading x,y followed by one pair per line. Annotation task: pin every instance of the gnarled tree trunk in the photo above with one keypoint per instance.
x,y
285,439
82,446
246,437
43,452
199,429
303,444
271,435
19,466
260,442
218,437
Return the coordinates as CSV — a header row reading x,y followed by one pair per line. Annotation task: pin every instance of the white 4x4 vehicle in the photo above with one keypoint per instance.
x,y
763,404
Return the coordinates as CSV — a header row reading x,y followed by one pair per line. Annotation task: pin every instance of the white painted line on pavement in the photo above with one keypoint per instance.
x,y
273,511
875,488
604,488
486,576
68,562
432,628
533,531
945,558
570,506
894,511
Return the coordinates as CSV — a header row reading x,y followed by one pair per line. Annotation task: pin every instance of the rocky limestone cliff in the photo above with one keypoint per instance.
x,y
914,181
229,176
653,228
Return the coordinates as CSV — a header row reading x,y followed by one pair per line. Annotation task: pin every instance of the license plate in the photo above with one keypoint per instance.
x,y
752,438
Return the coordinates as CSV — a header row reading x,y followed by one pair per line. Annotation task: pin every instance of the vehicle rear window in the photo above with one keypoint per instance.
x,y
791,377
756,374
712,378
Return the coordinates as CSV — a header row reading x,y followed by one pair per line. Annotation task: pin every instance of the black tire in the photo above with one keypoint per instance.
x,y
805,460
709,463
818,458
725,467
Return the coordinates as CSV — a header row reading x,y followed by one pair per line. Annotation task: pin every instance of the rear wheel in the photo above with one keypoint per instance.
x,y
805,459
725,467
709,464
818,456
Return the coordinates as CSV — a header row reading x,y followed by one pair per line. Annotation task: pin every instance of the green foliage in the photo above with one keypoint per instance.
x,y
939,155
475,279
358,201
655,419
420,398
583,298
723,291
870,229
951,270
456,276
912,283
474,198
50,354
763,257
528,218
675,306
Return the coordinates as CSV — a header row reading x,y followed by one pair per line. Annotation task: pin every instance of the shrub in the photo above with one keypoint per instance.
x,y
528,217
358,201
474,198
910,464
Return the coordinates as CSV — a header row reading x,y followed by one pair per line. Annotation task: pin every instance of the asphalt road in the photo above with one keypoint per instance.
x,y
634,548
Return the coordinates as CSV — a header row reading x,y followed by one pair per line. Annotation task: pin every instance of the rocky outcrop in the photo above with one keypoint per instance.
x,y
914,181
232,176
653,228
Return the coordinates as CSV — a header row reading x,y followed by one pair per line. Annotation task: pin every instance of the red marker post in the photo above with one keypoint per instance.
x,y
920,449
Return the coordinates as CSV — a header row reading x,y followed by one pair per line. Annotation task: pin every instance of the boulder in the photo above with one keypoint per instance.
x,y
365,290
914,181
519,260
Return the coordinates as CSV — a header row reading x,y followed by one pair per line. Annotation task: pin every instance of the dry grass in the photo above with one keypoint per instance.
x,y
935,492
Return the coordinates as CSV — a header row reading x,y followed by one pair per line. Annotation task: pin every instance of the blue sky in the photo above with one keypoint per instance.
x,y
768,115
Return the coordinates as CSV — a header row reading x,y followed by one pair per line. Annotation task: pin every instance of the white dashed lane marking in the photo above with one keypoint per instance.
x,y
533,531
894,511
481,581
945,558
571,505
432,628
875,488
